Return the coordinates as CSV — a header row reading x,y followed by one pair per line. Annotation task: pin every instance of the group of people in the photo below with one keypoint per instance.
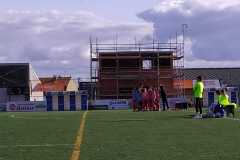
x,y
220,109
148,99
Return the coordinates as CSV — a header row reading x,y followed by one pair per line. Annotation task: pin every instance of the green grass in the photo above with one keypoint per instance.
x,y
123,135
118,135
37,129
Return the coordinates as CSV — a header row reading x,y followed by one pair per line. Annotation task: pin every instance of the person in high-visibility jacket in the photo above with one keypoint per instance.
x,y
224,98
224,102
198,95
218,110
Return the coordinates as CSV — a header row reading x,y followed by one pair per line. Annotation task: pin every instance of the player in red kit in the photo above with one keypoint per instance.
x,y
144,99
151,98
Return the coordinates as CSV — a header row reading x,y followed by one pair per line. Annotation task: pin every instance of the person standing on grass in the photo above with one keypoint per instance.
x,y
198,95
139,99
151,98
135,99
144,99
164,98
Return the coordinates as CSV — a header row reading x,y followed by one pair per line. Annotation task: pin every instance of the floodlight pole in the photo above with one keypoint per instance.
x,y
184,27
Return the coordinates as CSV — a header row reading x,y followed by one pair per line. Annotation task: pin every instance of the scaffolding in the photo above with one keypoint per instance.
x,y
118,68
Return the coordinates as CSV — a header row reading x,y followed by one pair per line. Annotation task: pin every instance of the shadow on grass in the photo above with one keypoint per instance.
x,y
190,116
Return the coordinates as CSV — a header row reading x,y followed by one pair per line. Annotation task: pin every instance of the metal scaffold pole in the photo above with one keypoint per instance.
x,y
120,67
184,27
91,78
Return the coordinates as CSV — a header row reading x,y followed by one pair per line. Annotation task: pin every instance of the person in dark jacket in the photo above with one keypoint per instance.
x,y
164,98
136,100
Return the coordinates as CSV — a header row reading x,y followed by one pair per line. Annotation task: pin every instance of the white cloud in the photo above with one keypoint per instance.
x,y
213,33
56,41
189,6
199,63
218,4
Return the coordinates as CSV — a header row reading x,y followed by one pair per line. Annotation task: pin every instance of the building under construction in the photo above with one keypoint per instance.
x,y
117,69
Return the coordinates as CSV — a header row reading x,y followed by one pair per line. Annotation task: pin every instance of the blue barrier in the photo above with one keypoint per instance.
x,y
84,102
49,102
66,101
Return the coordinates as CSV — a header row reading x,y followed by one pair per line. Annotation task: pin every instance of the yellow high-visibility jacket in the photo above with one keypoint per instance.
x,y
224,101
198,89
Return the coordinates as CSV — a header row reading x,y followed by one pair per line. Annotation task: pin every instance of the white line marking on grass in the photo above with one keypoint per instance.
x,y
76,151
34,145
234,119
35,118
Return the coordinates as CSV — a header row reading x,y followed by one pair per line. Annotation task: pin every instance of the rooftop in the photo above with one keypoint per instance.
x,y
56,84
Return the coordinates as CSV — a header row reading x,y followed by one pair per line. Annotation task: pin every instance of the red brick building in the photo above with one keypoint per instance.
x,y
118,69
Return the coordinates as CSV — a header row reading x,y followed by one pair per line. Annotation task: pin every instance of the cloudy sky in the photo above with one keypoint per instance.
x,y
53,35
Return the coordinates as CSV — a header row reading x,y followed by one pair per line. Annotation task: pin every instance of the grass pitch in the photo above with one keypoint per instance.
x,y
38,136
118,135
123,135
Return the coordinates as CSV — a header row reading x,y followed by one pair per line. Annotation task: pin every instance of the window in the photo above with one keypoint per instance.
x,y
163,63
108,63
128,63
147,64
